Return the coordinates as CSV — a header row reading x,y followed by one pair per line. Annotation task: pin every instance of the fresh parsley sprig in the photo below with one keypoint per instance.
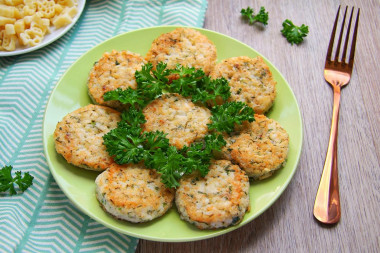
x,y
188,81
225,117
7,181
194,83
261,16
133,117
172,163
169,163
126,144
151,82
128,96
293,33
211,91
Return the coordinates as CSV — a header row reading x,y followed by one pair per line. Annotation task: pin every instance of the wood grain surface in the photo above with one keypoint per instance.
x,y
289,226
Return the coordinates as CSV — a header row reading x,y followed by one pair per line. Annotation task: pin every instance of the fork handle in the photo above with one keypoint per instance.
x,y
327,203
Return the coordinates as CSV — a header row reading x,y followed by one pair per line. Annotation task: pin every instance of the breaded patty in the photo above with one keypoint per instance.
x,y
113,70
216,201
184,46
133,193
79,136
250,80
260,149
181,119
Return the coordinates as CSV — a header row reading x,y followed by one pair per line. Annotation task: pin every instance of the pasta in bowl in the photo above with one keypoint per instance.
x,y
27,25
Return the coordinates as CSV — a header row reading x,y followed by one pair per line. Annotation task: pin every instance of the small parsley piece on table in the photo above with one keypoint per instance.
x,y
224,117
293,33
261,17
7,181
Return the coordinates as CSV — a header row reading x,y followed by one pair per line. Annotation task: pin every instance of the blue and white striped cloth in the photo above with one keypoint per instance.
x,y
42,219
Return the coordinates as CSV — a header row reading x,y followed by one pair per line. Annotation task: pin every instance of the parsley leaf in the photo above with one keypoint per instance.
x,y
199,154
187,80
173,163
132,117
247,13
293,33
155,141
211,91
152,82
169,164
7,181
261,17
225,117
196,84
127,96
125,144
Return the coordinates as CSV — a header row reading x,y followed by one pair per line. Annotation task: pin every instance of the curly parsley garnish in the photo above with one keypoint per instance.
x,y
261,17
189,82
7,181
150,84
293,33
128,96
129,144
225,117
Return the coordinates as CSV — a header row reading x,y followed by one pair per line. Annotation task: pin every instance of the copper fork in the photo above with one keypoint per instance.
x,y
337,73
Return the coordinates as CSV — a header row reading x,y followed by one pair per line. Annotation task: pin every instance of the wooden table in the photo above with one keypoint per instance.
x,y
289,226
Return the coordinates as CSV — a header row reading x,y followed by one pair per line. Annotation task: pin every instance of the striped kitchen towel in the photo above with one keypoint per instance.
x,y
42,219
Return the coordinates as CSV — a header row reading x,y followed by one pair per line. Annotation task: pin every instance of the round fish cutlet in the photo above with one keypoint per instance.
x,y
184,46
250,80
182,120
259,149
79,136
216,201
133,193
113,70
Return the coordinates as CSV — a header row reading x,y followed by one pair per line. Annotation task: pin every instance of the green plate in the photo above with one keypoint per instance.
x,y
78,184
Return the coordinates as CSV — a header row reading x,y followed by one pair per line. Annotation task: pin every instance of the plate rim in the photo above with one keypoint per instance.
x,y
215,233
60,33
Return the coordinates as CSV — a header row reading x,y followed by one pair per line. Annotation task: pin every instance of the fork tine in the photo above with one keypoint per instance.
x,y
347,37
331,44
352,52
340,36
